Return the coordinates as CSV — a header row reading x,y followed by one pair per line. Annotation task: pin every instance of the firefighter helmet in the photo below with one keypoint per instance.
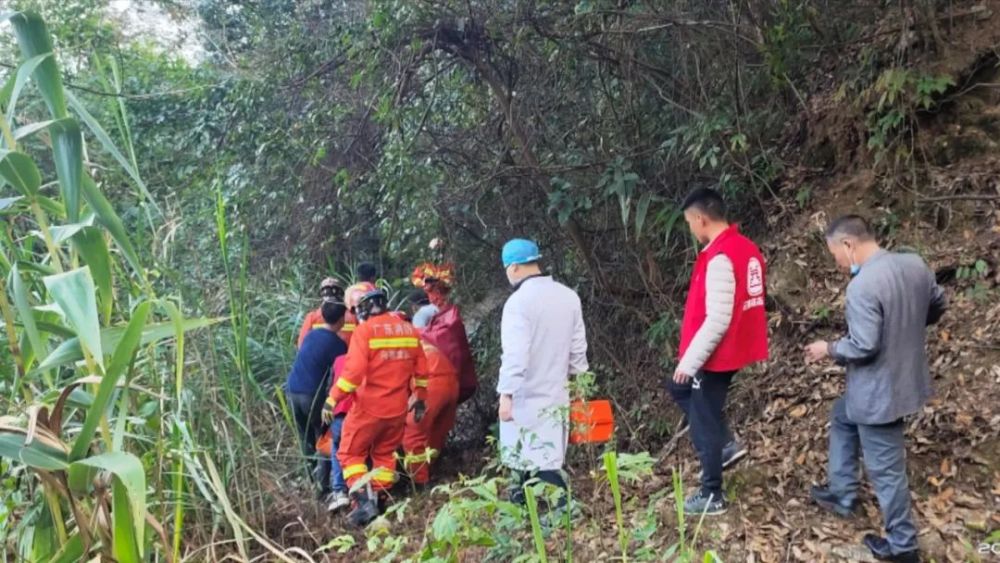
x,y
373,303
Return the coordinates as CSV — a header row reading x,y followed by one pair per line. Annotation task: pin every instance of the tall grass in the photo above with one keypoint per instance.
x,y
98,433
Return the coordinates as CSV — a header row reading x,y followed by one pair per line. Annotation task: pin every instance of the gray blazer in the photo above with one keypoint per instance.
x,y
889,305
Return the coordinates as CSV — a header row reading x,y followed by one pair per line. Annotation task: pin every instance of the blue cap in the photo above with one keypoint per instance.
x,y
519,251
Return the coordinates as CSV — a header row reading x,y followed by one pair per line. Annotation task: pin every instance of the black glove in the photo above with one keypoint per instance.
x,y
419,409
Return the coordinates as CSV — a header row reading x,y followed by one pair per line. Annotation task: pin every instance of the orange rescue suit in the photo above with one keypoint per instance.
x,y
385,358
432,430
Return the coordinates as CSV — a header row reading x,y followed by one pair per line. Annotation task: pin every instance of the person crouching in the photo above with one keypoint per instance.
x,y
423,440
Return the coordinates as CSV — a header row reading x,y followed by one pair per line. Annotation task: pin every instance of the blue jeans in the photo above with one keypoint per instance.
x,y
883,448
336,475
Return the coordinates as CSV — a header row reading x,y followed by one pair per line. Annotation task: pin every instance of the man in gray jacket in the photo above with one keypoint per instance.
x,y
891,299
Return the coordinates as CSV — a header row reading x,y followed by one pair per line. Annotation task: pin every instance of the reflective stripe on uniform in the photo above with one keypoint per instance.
x,y
346,386
420,382
398,342
318,325
356,469
349,327
412,458
383,476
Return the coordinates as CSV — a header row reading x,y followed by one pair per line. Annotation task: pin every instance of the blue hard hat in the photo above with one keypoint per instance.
x,y
519,251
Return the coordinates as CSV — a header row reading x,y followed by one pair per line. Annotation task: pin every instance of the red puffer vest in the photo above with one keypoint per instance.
x,y
745,342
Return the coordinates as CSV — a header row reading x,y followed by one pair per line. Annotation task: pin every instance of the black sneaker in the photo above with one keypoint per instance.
x,y
828,500
732,453
365,509
709,505
880,548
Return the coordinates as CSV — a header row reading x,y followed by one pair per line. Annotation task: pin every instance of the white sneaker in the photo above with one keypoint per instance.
x,y
337,501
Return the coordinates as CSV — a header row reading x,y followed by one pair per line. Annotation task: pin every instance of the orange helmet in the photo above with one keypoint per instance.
x,y
355,293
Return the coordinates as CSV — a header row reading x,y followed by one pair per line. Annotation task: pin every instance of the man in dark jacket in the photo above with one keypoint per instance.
x,y
891,299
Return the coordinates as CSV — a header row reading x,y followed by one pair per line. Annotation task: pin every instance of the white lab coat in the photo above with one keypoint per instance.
x,y
544,342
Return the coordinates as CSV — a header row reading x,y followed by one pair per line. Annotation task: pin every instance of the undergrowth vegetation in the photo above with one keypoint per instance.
x,y
166,218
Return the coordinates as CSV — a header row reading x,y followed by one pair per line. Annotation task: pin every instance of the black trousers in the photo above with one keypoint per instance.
x,y
703,400
307,411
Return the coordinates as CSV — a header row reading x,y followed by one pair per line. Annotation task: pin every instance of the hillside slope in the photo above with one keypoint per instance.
x,y
932,184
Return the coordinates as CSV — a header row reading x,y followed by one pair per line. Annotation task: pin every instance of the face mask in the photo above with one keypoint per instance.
x,y
855,267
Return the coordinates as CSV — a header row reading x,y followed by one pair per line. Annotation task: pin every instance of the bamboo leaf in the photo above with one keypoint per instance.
x,y
23,73
19,170
32,128
33,37
35,455
109,145
119,361
106,216
127,537
69,351
129,500
93,247
63,233
67,150
75,294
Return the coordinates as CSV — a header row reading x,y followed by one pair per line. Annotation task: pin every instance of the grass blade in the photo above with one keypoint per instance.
x,y
67,149
93,247
119,362
33,37
107,217
19,170
27,316
23,73
109,145
75,294
129,500
70,352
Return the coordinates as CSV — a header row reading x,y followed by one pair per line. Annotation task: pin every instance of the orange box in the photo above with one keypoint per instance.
x,y
591,422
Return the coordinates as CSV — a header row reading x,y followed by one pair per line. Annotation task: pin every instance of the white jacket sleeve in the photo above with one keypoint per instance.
x,y
720,295
515,341
578,347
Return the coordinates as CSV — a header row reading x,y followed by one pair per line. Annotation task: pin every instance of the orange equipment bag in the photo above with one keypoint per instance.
x,y
591,422
324,444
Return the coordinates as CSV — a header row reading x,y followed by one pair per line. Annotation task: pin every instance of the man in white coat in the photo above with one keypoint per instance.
x,y
544,342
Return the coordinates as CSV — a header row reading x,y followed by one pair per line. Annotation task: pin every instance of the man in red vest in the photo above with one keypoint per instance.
x,y
724,331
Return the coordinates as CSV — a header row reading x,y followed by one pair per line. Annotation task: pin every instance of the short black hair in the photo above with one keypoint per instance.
x,y
333,312
367,272
854,226
706,201
419,298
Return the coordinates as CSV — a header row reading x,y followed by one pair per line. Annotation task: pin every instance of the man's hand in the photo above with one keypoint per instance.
x,y
680,378
817,351
506,410
419,409
328,411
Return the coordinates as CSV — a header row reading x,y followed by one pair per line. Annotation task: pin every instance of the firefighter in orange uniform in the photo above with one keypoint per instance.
x,y
330,290
384,358
431,431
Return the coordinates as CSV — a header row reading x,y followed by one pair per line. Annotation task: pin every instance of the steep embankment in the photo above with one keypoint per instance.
x,y
930,180
936,191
